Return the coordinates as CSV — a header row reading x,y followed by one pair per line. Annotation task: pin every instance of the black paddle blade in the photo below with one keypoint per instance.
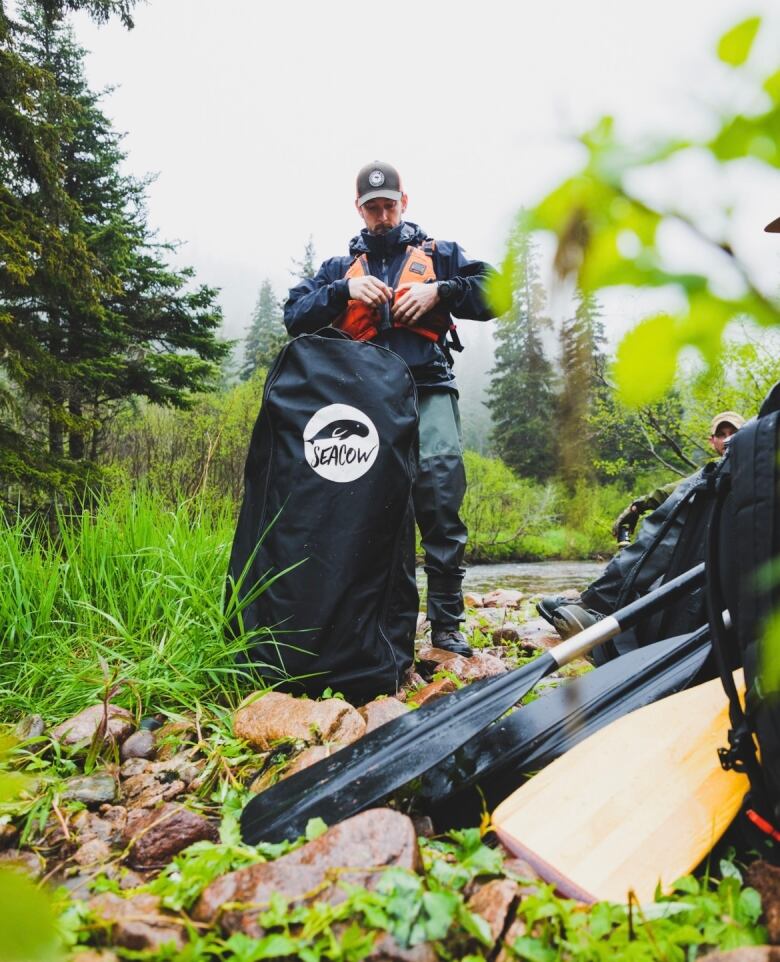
x,y
499,758
367,771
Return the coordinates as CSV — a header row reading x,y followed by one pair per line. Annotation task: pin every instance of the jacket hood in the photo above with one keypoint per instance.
x,y
385,244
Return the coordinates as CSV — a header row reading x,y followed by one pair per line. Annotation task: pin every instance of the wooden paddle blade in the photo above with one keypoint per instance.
x,y
640,802
368,770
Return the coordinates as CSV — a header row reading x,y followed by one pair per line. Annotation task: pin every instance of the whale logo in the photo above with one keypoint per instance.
x,y
340,443
340,430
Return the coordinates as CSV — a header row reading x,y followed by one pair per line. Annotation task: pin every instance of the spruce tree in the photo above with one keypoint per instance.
x,y
582,376
116,323
266,335
521,395
307,266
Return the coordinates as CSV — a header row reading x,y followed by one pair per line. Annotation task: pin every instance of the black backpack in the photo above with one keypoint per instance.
x,y
744,540
670,541
323,554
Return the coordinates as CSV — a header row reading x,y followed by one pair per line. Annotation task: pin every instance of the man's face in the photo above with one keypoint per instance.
x,y
722,433
381,214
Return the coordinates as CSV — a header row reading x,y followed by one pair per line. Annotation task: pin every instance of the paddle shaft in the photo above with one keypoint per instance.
x,y
367,771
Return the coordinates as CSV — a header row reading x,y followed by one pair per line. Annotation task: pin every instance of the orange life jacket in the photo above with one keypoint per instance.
x,y
363,322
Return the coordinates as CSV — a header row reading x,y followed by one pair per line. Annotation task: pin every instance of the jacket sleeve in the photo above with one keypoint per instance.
x,y
451,264
317,301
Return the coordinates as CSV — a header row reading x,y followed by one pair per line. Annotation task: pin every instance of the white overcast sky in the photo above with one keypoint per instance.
x,y
256,117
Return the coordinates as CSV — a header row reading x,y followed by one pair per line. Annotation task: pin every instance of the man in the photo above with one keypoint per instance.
x,y
600,597
400,288
722,426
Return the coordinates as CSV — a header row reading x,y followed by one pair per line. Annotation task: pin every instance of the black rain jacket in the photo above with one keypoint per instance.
x,y
318,301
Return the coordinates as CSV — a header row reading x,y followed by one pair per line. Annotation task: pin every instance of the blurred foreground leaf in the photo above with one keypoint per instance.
x,y
27,930
647,361
735,45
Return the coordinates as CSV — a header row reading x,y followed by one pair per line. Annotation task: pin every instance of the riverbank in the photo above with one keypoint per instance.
x,y
123,699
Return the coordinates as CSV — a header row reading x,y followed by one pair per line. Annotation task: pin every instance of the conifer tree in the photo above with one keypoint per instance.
x,y
582,374
116,321
307,266
266,335
521,396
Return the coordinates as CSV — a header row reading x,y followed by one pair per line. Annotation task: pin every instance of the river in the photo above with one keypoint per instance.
x,y
532,577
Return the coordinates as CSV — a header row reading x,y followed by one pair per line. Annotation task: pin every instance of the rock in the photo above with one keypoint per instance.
x,y
480,665
435,656
422,623
433,691
93,955
170,738
493,902
505,632
382,710
765,879
138,922
92,852
472,600
349,852
538,635
278,717
502,598
423,826
133,766
412,682
386,949
523,872
310,755
156,836
747,953
31,726
95,789
140,744
154,782
82,727
23,860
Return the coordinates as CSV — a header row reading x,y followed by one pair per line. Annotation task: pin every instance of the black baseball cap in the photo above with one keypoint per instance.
x,y
774,227
378,179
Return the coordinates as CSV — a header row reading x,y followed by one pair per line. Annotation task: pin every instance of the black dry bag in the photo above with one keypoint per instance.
x,y
323,554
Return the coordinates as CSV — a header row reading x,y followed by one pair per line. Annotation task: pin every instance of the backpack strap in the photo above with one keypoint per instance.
x,y
746,462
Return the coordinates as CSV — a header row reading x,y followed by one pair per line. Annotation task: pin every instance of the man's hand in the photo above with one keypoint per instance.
x,y
370,290
628,517
413,302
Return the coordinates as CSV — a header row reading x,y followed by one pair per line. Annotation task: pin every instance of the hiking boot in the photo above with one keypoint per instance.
x,y
570,619
450,639
549,603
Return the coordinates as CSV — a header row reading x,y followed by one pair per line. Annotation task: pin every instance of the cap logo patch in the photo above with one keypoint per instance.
x,y
417,268
376,178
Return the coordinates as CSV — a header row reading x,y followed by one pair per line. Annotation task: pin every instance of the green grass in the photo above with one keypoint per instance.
x,y
129,594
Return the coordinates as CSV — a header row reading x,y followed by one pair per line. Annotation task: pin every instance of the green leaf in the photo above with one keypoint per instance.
x,y
735,45
749,904
729,870
647,361
772,86
533,949
28,933
498,291
440,909
687,884
314,828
